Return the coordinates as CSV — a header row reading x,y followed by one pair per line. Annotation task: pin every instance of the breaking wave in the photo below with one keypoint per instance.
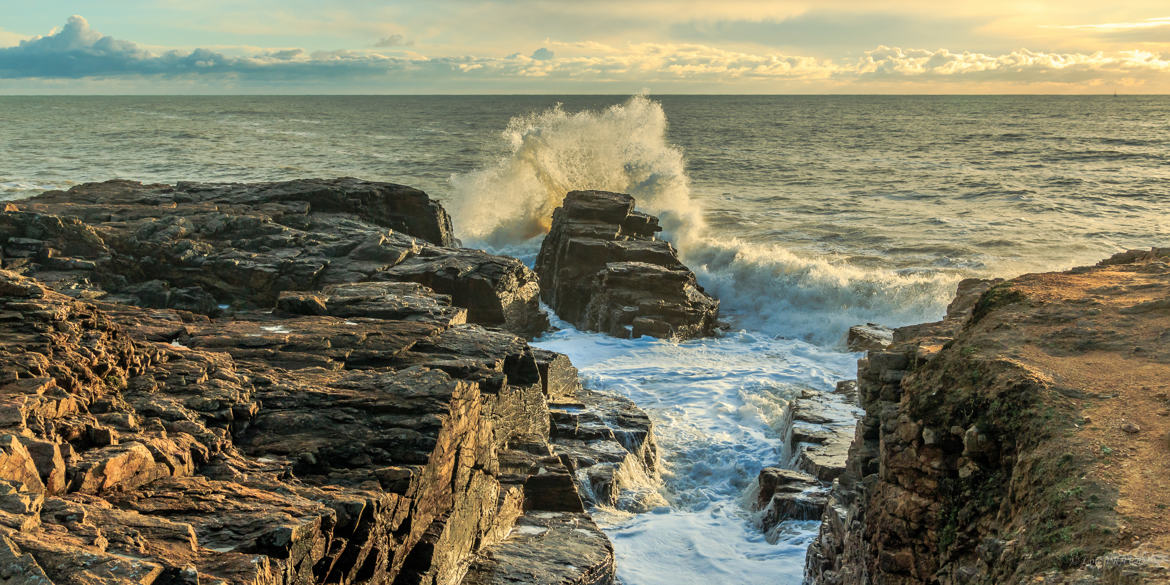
x,y
624,148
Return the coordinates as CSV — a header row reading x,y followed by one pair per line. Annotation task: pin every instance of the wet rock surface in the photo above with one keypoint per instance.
x,y
335,424
602,269
992,449
870,336
818,429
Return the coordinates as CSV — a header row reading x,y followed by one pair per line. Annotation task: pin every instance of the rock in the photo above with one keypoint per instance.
x,y
115,468
197,246
609,444
870,336
340,421
785,494
993,400
550,548
17,465
602,269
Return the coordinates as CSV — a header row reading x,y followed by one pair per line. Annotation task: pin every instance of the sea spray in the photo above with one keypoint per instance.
x,y
622,148
507,207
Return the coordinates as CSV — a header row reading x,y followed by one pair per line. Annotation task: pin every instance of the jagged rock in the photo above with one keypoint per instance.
x,y
602,269
786,494
359,432
210,247
988,449
17,465
818,430
610,446
870,336
561,548
278,383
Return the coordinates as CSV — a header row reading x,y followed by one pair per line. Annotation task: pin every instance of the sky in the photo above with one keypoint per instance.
x,y
583,46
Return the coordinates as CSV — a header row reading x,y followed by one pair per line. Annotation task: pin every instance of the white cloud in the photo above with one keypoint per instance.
x,y
1020,65
1118,26
76,51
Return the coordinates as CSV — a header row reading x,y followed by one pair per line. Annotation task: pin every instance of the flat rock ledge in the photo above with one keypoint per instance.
x,y
1022,439
211,247
602,269
330,426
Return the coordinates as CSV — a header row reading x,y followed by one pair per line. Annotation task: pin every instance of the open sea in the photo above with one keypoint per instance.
x,y
804,215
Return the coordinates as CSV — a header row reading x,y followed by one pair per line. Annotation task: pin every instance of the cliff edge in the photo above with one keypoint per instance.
x,y
1023,439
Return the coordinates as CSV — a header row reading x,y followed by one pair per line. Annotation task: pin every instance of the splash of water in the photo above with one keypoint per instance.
x,y
622,148
625,148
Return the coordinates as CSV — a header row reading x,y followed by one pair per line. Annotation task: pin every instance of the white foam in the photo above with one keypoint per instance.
x,y
717,405
622,148
508,206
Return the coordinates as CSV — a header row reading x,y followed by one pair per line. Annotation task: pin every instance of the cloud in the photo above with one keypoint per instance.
x,y
1150,30
8,39
78,52
394,40
1119,26
1019,65
833,29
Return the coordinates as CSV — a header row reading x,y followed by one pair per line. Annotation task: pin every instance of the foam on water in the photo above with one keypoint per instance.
x,y
509,205
717,405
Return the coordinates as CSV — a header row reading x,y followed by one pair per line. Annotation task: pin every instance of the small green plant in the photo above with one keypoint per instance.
x,y
995,297
1072,558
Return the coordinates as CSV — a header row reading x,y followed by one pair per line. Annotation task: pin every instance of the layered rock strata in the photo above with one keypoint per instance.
x,y
818,429
1020,440
204,247
342,431
602,269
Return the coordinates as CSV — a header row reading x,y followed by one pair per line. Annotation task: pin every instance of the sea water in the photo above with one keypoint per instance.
x,y
804,215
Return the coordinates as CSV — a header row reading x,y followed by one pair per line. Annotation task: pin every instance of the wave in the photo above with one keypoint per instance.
x,y
624,148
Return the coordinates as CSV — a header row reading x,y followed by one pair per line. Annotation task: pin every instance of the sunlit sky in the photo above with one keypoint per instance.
x,y
601,46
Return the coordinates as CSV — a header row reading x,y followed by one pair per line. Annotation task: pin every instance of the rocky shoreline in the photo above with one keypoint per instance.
x,y
302,382
1022,439
313,382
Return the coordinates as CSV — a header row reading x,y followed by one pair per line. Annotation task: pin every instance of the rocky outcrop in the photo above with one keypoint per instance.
x,y
817,428
1020,440
334,424
870,336
602,269
210,247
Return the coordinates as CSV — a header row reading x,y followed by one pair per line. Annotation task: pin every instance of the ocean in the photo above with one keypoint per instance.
x,y
804,215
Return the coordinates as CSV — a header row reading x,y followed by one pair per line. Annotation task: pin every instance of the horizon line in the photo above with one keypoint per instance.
x,y
548,94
